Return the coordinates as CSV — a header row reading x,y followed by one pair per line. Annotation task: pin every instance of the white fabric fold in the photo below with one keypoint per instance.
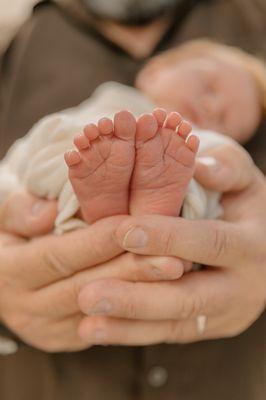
x,y
36,161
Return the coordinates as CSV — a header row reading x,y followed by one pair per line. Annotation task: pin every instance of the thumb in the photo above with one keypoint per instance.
x,y
225,168
25,215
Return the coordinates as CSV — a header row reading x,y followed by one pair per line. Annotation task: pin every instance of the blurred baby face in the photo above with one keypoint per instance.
x,y
212,94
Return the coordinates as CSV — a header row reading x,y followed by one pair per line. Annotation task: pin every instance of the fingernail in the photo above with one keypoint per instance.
x,y
38,207
158,273
210,162
135,237
99,336
102,307
166,268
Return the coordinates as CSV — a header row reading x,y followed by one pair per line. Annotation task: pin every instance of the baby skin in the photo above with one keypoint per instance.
x,y
133,167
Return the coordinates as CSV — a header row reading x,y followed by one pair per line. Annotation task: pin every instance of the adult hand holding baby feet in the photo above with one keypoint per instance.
x,y
40,280
53,270
101,173
218,301
140,168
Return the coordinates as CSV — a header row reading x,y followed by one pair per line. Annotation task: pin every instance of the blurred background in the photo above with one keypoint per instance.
x,y
12,14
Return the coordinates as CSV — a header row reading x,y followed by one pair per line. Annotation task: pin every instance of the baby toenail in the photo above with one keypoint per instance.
x,y
135,237
102,307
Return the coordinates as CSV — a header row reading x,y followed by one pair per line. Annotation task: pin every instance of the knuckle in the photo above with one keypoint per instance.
x,y
76,286
191,307
176,332
91,295
96,246
129,309
55,263
220,243
168,242
127,302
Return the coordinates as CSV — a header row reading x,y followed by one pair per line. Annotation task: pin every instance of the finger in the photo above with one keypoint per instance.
x,y
112,331
204,292
137,268
27,216
65,337
61,298
225,168
6,239
53,258
209,242
60,336
99,330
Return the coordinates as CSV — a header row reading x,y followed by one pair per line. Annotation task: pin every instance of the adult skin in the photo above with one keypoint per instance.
x,y
39,294
40,280
231,292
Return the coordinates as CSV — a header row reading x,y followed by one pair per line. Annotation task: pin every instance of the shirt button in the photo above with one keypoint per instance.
x,y
7,346
157,376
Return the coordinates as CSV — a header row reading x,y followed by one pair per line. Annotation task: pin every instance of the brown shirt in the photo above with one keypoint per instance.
x,y
56,61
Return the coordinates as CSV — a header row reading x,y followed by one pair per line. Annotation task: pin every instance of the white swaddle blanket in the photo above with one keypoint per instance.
x,y
36,161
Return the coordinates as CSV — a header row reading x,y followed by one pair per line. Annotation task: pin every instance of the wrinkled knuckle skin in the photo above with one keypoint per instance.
x,y
168,240
191,307
220,244
55,264
177,333
129,310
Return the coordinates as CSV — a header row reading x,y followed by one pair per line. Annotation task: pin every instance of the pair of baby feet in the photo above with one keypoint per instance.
x,y
133,167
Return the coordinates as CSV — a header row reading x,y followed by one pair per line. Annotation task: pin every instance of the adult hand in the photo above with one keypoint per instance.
x,y
27,216
40,279
230,292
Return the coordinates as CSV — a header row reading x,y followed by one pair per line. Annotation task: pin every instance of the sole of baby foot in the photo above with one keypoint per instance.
x,y
164,166
101,168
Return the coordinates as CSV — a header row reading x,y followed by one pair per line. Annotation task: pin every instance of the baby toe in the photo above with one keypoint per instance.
x,y
173,121
193,143
147,127
160,114
72,158
81,141
105,126
184,129
124,125
91,131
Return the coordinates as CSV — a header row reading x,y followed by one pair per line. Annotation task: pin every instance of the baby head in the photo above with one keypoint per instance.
x,y
213,85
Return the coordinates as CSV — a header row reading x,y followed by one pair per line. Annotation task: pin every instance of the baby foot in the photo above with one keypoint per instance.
x,y
165,158
101,169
